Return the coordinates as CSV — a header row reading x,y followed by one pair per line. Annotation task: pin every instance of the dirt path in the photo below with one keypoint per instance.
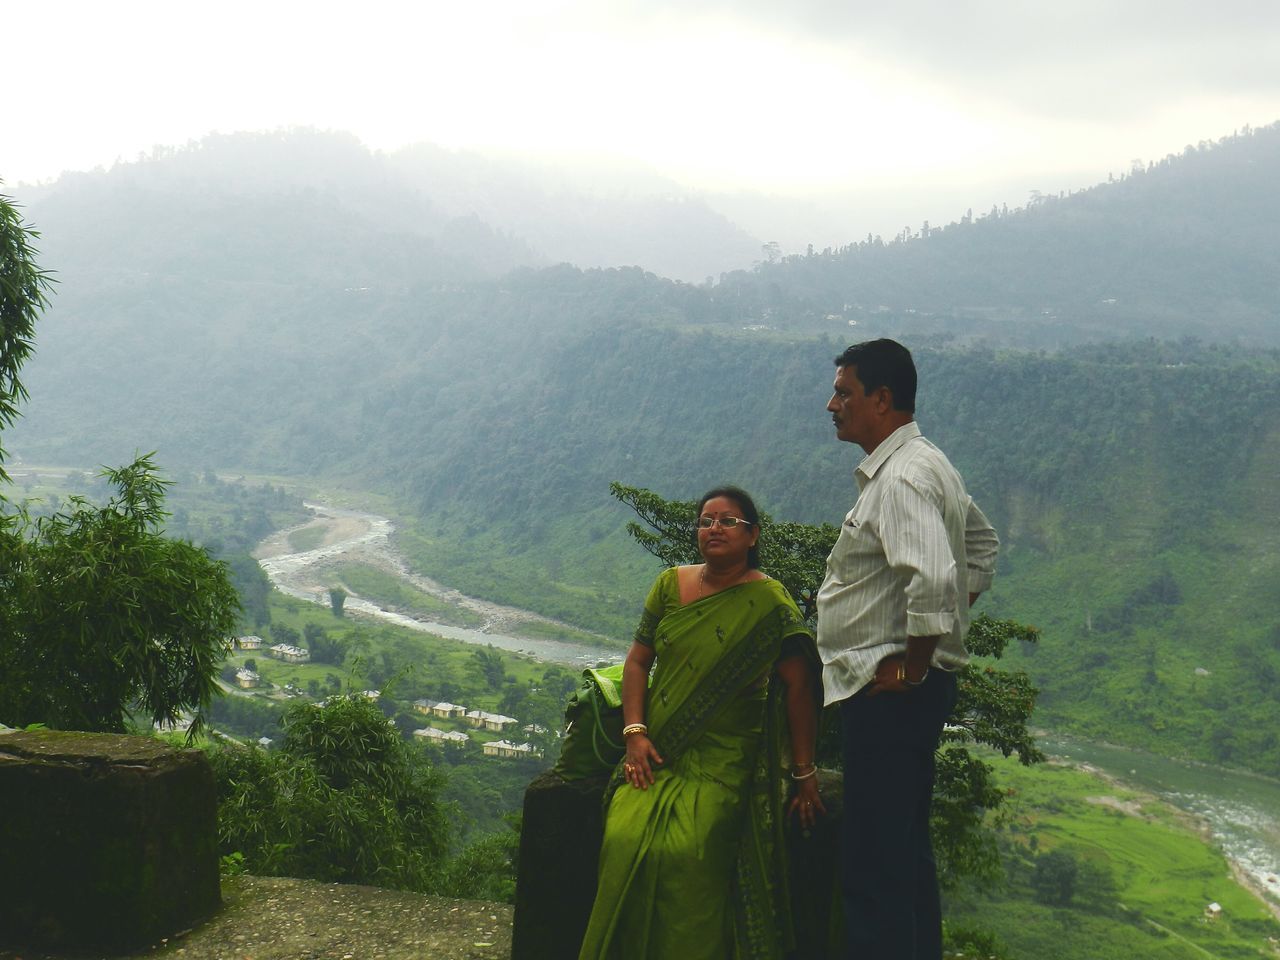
x,y
273,918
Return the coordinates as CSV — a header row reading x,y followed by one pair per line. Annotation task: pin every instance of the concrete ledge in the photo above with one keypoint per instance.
x,y
560,847
106,842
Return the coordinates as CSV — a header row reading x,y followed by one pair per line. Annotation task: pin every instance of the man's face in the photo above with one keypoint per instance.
x,y
853,412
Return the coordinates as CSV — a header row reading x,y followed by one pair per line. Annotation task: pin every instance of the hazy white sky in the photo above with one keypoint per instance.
x,y
794,97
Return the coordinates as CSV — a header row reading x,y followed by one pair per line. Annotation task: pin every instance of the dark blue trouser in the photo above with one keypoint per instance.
x,y
888,875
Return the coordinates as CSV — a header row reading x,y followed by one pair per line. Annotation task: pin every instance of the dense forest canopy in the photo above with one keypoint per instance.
x,y
1102,367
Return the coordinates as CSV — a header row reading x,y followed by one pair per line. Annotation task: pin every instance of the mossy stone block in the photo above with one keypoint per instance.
x,y
560,835
106,842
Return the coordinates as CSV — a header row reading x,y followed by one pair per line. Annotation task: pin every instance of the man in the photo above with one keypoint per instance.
x,y
912,555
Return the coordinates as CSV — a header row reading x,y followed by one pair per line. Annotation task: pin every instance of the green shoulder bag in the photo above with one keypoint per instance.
x,y
593,742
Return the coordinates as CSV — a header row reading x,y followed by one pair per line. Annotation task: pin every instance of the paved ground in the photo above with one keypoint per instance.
x,y
267,918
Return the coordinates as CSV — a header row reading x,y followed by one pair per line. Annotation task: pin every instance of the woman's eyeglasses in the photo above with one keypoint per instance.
x,y
706,523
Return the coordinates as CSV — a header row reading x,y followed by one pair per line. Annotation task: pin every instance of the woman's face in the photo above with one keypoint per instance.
x,y
726,544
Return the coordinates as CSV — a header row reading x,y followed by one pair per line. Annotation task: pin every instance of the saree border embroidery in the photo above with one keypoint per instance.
x,y
751,655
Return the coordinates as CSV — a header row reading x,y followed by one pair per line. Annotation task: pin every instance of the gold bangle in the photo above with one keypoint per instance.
x,y
631,728
903,678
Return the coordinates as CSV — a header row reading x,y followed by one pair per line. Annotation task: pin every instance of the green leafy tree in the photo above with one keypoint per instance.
x,y
1053,879
103,617
487,666
344,799
1096,888
964,941
992,709
283,633
324,649
337,597
23,289
485,869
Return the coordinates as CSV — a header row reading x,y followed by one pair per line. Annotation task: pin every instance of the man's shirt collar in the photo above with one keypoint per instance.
x,y
876,459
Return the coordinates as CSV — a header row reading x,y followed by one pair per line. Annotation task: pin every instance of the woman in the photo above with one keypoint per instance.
x,y
692,864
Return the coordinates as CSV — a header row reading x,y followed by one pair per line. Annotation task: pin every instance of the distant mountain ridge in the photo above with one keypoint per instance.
x,y
466,216
1185,246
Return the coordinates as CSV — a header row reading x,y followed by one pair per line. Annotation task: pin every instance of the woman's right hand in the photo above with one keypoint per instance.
x,y
641,757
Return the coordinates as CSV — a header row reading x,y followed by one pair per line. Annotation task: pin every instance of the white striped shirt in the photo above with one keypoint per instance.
x,y
911,550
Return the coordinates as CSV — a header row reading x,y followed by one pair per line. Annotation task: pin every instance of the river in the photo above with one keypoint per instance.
x,y
358,537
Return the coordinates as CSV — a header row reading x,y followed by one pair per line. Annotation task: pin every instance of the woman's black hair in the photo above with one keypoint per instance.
x,y
749,513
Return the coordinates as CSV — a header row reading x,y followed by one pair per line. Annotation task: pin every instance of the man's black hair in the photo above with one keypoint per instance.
x,y
884,363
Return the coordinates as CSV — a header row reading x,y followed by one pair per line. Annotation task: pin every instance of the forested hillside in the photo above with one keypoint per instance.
x,y
1184,246
302,327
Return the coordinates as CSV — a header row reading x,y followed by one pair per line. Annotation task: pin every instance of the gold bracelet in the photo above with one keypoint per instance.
x,y
631,728
903,678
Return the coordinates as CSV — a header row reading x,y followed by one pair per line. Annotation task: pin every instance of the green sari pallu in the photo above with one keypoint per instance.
x,y
694,867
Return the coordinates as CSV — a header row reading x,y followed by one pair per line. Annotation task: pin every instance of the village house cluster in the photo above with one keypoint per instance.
x,y
278,651
480,719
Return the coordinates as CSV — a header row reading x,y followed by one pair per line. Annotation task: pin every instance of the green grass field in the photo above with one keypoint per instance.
x,y
1162,876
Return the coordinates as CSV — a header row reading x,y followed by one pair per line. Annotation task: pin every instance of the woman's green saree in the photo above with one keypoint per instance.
x,y
694,867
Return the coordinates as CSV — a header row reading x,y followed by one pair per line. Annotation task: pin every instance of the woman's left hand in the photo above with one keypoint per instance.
x,y
807,802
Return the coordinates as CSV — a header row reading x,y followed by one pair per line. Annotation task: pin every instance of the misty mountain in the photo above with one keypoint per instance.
x,y
590,216
1185,246
285,210
323,202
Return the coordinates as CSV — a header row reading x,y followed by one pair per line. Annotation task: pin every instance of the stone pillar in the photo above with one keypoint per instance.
x,y
560,846
106,842
556,880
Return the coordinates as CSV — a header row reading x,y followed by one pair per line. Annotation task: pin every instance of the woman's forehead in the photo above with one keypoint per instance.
x,y
722,505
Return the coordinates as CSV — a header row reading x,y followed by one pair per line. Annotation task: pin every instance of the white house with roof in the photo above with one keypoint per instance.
x,y
289,653
449,737
494,722
448,711
249,643
506,749
247,679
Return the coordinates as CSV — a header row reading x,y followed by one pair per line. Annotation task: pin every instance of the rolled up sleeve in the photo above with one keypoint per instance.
x,y
981,546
